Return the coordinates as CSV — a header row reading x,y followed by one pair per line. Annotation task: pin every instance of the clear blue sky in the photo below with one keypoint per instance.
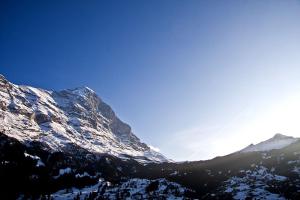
x,y
194,78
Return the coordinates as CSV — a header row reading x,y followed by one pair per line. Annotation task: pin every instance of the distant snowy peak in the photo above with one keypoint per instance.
x,y
71,117
278,141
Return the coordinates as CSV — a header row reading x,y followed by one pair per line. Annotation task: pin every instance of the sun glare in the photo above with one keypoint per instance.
x,y
281,117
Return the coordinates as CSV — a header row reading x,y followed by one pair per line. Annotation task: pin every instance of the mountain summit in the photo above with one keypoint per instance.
x,y
62,120
278,141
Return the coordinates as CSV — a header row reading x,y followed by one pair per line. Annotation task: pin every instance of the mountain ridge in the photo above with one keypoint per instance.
x,y
278,141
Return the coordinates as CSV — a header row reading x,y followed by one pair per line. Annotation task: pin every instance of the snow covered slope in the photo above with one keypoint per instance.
x,y
279,141
64,119
130,189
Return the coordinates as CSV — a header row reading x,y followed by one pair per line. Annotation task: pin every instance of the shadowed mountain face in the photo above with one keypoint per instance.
x,y
32,171
71,145
66,118
267,174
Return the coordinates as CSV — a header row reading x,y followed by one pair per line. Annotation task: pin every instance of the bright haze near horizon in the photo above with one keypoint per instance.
x,y
196,79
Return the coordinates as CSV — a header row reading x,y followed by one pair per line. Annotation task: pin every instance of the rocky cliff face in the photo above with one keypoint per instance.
x,y
64,119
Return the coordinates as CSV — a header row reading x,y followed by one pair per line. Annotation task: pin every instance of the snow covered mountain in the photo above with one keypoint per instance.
x,y
71,145
279,141
61,120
